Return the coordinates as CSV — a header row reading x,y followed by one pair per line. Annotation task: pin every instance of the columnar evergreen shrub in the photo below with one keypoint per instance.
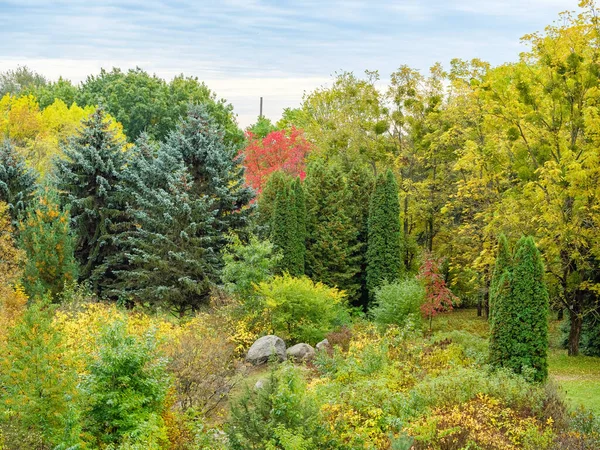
x,y
384,246
503,261
519,326
45,236
333,251
17,181
288,227
89,177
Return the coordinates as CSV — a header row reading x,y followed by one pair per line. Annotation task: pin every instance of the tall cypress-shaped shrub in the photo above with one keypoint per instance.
x,y
17,181
266,200
384,251
45,236
89,177
520,319
288,228
299,241
333,250
503,261
530,311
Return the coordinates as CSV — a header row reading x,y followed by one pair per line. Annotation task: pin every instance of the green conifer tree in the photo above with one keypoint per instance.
x,y
503,261
266,200
45,235
17,181
384,245
215,169
288,229
38,395
89,176
360,182
299,239
333,250
168,258
520,318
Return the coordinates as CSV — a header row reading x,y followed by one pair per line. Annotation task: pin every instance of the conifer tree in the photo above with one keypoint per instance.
x,y
184,198
503,261
45,236
38,391
520,319
89,176
288,228
215,170
169,257
333,250
360,182
266,201
17,181
384,251
299,241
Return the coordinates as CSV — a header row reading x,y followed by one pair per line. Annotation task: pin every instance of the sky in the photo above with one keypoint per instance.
x,y
245,49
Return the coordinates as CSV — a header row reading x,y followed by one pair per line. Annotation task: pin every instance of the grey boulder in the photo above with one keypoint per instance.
x,y
264,347
301,352
323,345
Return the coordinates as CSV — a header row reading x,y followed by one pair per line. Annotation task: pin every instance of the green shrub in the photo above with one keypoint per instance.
x,y
398,302
278,415
38,407
247,264
46,237
126,390
300,310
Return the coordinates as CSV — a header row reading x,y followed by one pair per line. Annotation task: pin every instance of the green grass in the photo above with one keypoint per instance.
x,y
577,377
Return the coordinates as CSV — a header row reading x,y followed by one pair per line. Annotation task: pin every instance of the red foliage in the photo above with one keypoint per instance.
x,y
279,150
438,297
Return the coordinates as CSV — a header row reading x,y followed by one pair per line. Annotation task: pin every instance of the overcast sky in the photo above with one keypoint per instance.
x,y
244,49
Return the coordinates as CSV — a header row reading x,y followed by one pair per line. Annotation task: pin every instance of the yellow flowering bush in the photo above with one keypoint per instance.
x,y
481,423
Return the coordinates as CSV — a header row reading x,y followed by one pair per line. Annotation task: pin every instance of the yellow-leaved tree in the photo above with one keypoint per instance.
x,y
39,133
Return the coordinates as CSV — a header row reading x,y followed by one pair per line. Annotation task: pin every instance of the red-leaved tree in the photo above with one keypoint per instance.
x,y
283,150
438,297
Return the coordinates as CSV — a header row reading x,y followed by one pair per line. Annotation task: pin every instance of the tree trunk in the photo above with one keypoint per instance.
x,y
574,332
479,308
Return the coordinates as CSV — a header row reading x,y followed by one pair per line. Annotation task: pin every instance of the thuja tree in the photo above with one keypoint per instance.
x,y
89,176
384,246
503,261
520,320
17,181
333,250
45,236
288,227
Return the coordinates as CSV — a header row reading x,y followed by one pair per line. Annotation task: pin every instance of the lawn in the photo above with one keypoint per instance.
x,y
577,377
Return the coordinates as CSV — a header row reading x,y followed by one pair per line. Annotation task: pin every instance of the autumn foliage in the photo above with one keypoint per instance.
x,y
283,150
438,297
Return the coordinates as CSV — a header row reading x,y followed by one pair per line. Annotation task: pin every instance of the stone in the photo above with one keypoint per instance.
x,y
323,345
264,347
301,352
260,384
